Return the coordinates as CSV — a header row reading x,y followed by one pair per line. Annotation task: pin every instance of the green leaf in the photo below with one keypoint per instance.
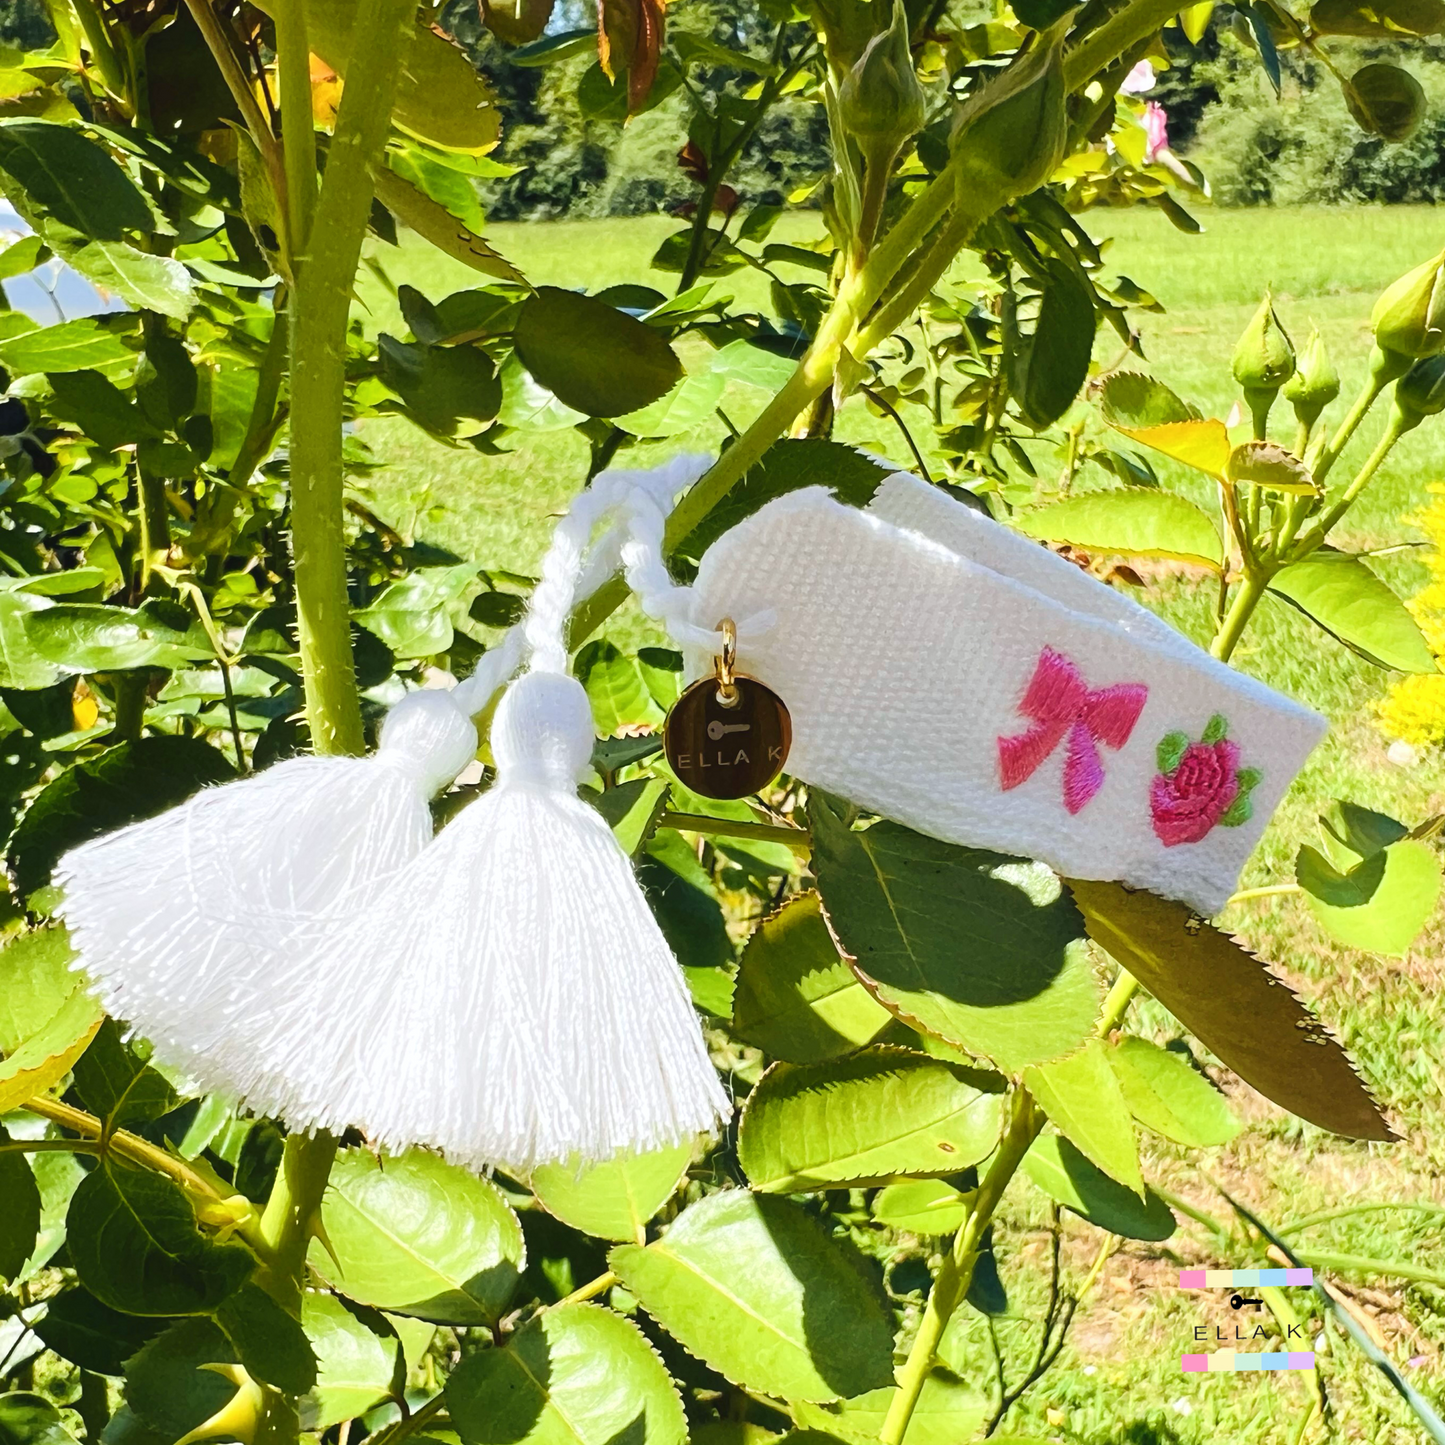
x,y
451,391
20,1217
591,356
1149,412
788,466
20,665
357,1359
983,951
169,1385
91,637
948,1412
1049,368
921,1206
1382,904
681,898
756,1287
1168,1096
865,1119
104,413
527,405
166,383
72,346
440,99
1267,464
79,1328
1362,830
1128,522
22,256
27,1419
270,1343
615,688
149,283
1233,1005
72,178
1063,1173
1378,19
121,785
413,617
754,365
615,1199
690,404
136,1246
1129,400
574,1375
1357,608
117,1085
796,998
417,1236
1084,1100
435,223
47,1016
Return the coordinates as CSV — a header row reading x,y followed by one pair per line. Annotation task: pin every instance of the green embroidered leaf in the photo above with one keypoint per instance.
x,y
796,998
1172,747
1233,1004
1216,728
418,1236
1248,778
1083,1099
1240,811
756,1287
1168,1096
867,1118
983,951
615,1199
1063,1173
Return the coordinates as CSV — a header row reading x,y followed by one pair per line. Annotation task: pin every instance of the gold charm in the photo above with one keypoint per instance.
x,y
728,735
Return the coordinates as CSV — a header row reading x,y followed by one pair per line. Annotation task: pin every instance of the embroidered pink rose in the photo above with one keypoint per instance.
x,y
1200,785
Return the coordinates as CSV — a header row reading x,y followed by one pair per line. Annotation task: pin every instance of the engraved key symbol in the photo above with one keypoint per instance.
x,y
719,730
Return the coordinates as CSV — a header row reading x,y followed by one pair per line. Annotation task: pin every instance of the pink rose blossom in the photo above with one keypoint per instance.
x,y
1187,803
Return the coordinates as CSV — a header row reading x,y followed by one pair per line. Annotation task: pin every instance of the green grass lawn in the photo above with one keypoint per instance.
x,y
1119,1379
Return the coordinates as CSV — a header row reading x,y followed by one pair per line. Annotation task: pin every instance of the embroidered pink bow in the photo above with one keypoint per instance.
x,y
1059,702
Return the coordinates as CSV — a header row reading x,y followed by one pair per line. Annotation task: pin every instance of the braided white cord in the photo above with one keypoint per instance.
x,y
640,502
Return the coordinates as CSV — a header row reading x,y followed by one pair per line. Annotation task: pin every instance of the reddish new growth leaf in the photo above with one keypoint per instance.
x,y
629,39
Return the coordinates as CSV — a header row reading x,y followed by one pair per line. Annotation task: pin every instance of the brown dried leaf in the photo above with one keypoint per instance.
x,y
1234,1005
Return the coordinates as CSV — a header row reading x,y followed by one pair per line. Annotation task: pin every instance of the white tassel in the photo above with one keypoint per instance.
x,y
508,998
191,926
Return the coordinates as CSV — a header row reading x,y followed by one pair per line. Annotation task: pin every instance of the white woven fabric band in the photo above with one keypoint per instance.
x,y
955,676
